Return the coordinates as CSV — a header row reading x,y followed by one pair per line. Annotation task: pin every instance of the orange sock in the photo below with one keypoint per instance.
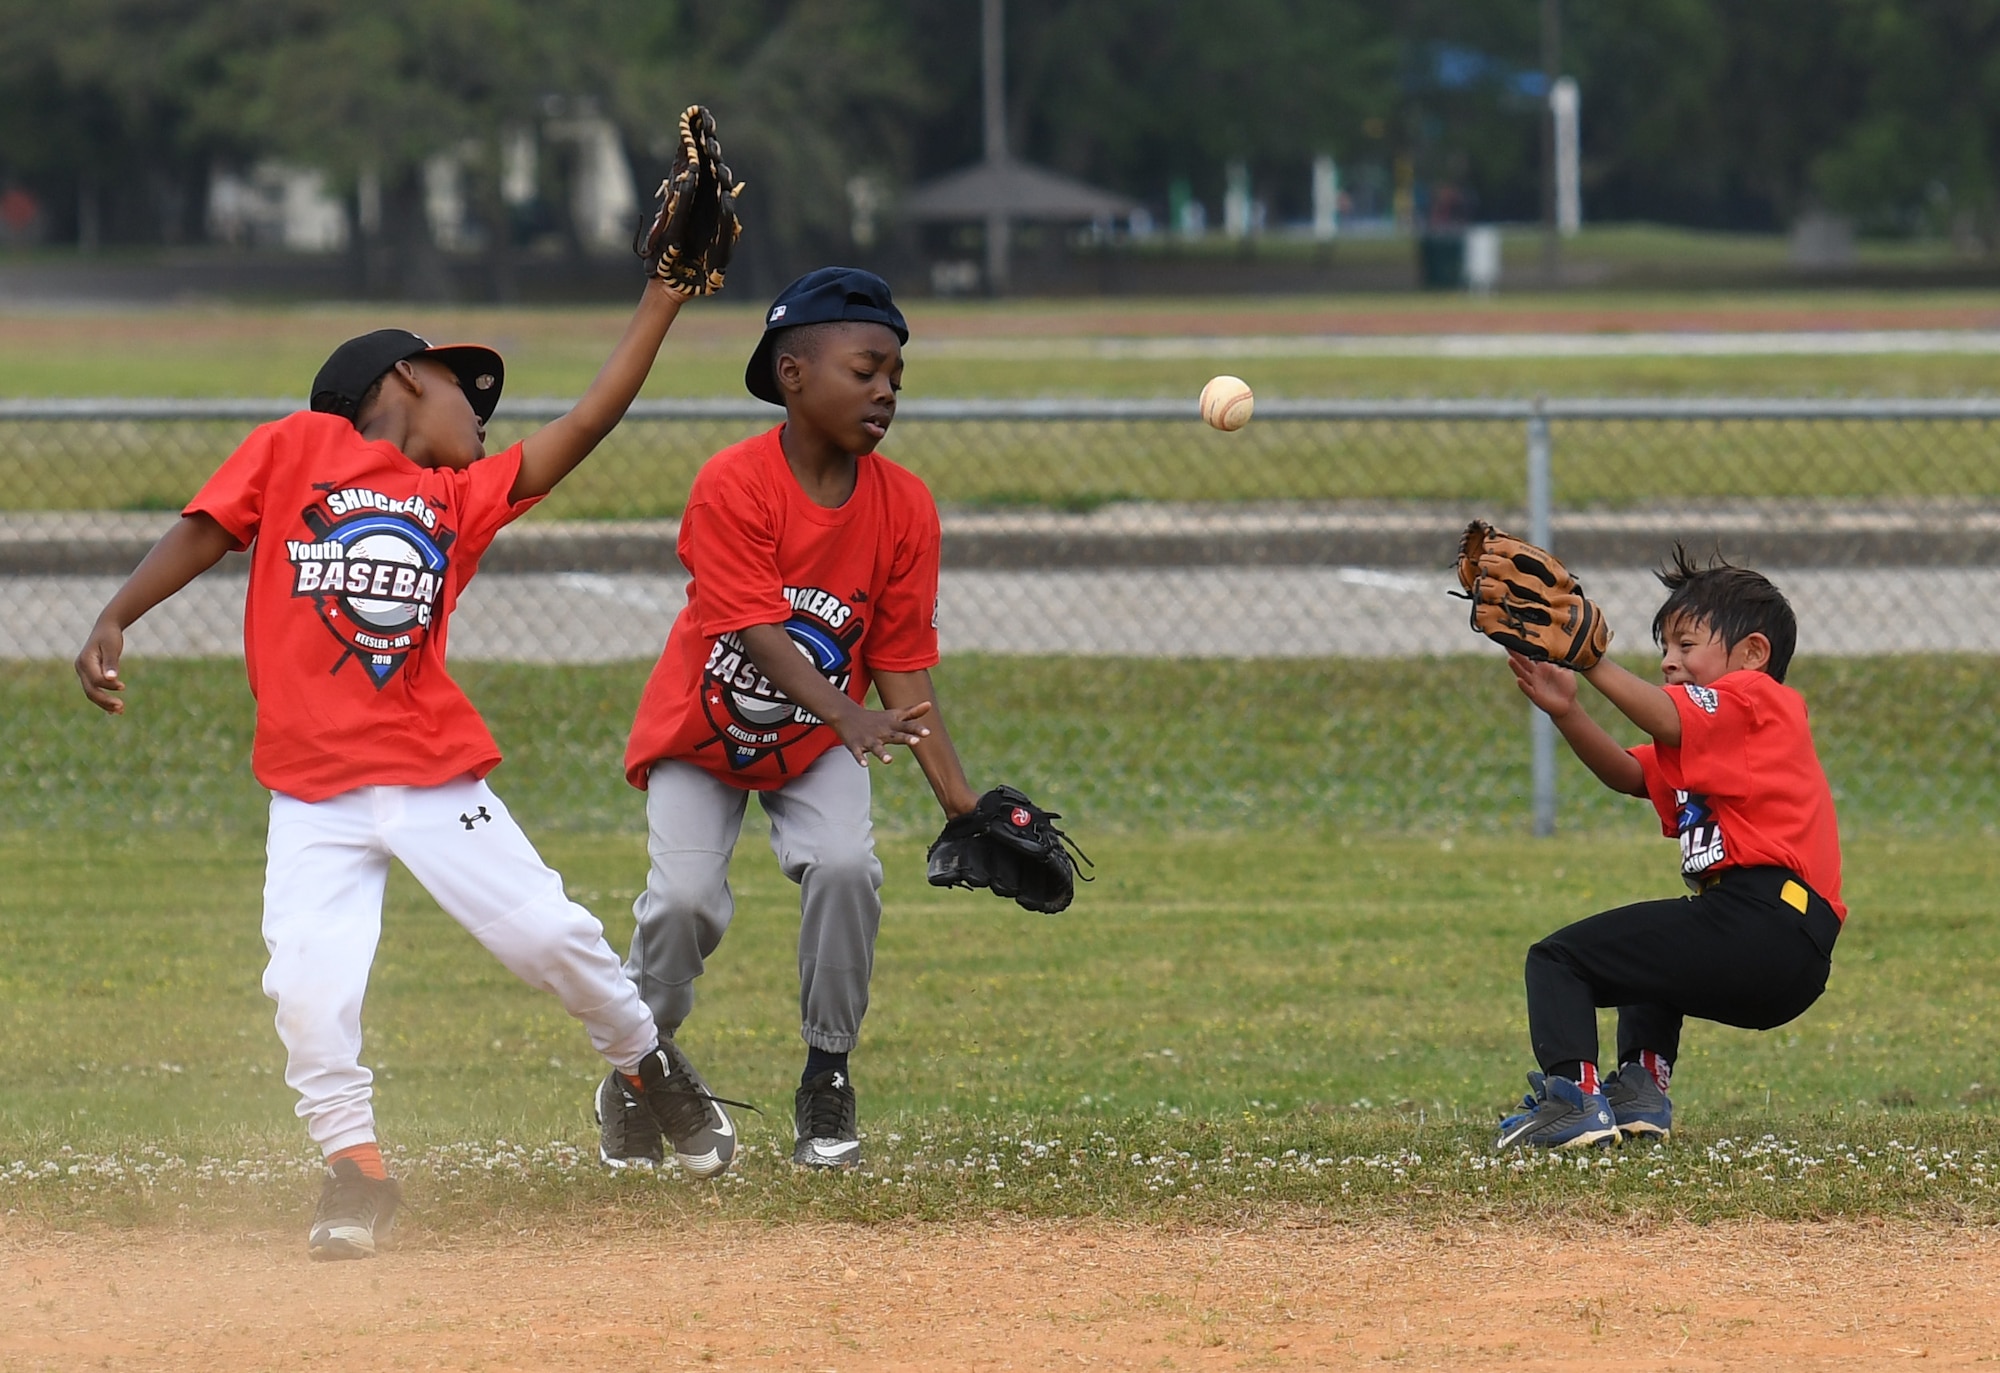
x,y
367,1157
638,1085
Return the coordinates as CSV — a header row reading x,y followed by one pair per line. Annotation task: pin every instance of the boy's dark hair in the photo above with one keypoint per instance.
x,y
801,340
368,398
1734,602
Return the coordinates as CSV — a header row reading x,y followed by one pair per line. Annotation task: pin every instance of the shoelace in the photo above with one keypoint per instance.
x,y
685,1108
826,1113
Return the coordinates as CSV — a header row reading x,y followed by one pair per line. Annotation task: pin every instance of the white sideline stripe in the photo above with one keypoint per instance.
x,y
1831,343
1189,612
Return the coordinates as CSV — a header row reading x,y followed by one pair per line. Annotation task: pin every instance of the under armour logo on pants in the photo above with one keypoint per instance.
x,y
469,820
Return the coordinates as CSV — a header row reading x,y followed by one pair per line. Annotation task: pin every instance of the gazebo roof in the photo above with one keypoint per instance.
x,y
1018,190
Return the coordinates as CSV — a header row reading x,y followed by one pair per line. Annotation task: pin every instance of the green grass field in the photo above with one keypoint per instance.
x,y
1295,982
986,349
1031,349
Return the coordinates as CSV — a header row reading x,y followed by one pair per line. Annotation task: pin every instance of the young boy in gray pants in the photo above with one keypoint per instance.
x,y
814,565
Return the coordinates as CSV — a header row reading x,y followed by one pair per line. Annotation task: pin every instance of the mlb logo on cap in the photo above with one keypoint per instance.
x,y
777,314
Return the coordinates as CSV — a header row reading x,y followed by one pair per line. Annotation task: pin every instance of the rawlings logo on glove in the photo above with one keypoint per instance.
x,y
1525,600
694,233
1011,847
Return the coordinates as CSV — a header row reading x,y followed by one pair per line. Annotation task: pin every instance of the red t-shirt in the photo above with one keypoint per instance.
x,y
855,587
357,558
1745,789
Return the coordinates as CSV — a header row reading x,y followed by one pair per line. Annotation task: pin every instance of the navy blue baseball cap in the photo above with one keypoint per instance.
x,y
344,378
824,296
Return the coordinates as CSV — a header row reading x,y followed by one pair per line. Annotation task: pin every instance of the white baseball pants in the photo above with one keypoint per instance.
x,y
327,864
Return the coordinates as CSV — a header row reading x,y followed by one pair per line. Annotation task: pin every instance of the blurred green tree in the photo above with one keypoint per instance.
x,y
1921,148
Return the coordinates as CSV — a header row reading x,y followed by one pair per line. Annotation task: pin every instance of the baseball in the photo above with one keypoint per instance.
x,y
1226,403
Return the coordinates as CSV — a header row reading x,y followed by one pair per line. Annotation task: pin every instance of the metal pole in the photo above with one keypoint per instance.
x,y
1541,729
993,83
1551,68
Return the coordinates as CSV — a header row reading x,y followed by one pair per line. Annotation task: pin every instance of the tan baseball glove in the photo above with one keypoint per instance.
x,y
695,230
1524,599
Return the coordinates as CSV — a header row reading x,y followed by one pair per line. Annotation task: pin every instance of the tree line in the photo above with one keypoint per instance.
x,y
1719,113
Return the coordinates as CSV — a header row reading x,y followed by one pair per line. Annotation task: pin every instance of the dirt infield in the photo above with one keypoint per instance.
x,y
1007,1295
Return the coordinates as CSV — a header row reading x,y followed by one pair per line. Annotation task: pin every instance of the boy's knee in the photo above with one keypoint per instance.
x,y
665,908
844,866
1549,954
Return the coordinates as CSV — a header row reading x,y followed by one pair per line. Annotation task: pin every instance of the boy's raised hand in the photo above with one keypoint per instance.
x,y
1551,689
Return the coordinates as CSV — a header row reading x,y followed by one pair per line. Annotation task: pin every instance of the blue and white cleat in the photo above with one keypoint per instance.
x,y
1557,1114
1638,1104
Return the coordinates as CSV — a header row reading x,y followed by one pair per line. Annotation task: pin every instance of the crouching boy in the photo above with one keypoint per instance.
x,y
1732,771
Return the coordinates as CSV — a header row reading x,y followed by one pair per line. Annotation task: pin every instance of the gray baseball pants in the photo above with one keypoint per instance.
x,y
825,842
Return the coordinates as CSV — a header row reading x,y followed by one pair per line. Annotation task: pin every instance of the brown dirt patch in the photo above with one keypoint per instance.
x,y
1026,1296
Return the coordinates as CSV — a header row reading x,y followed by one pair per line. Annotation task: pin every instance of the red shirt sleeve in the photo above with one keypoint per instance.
x,y
234,496
1715,723
904,637
484,509
729,544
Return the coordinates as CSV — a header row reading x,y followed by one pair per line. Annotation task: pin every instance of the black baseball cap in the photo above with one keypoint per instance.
x,y
354,367
824,296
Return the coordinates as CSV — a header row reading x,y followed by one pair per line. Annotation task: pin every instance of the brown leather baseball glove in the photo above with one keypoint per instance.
x,y
695,230
1524,599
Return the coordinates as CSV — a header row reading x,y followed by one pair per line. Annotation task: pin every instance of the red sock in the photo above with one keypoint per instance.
x,y
1586,1078
367,1157
1662,1071
638,1085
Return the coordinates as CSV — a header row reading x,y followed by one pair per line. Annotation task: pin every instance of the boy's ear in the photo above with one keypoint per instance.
x,y
1753,652
790,370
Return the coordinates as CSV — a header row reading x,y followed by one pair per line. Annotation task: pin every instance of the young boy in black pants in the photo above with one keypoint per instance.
x,y
1734,776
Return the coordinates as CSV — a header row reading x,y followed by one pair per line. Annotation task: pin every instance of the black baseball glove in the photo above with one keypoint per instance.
x,y
1008,845
692,236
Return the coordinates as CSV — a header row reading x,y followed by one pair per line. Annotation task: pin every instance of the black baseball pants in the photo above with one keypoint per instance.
x,y
1737,953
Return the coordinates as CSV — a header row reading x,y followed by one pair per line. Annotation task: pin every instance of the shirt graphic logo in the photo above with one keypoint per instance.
x,y
375,570
1700,834
1702,696
751,717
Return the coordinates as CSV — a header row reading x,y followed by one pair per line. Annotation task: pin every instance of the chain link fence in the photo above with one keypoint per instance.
x,y
1128,530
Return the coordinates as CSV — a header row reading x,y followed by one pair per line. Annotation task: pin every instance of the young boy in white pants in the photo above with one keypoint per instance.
x,y
365,517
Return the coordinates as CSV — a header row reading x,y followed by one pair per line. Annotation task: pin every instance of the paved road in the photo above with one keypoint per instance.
x,y
1274,612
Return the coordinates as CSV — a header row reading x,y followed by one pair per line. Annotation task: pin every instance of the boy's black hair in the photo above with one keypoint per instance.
x,y
368,398
1734,602
801,340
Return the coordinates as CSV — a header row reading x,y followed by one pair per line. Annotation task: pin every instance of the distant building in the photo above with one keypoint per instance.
x,y
277,205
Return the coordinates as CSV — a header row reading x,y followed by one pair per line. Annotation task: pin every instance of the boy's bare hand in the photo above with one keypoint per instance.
x,y
1551,689
97,667
874,731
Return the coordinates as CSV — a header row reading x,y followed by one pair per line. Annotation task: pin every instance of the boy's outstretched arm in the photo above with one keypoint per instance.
x,y
936,755
862,731
183,553
553,451
1553,692
1644,703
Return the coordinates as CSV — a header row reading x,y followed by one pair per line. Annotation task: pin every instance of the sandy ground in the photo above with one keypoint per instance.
x,y
1004,1296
